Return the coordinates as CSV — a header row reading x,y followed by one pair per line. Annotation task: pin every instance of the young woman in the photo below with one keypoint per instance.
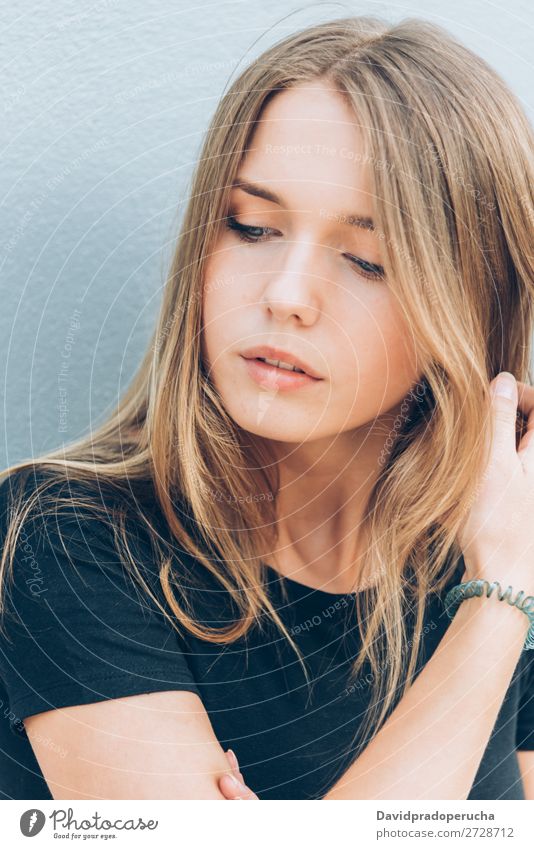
x,y
253,553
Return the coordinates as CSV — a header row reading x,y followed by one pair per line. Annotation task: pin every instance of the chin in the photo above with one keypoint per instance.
x,y
270,424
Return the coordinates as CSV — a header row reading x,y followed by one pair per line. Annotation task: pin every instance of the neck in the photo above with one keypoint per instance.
x,y
324,490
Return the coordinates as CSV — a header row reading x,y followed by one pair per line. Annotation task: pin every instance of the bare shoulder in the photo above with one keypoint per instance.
x,y
158,745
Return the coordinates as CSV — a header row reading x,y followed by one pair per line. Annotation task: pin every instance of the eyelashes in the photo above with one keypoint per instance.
x,y
251,234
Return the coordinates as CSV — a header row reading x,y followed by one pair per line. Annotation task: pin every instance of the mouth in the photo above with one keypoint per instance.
x,y
277,376
280,360
280,364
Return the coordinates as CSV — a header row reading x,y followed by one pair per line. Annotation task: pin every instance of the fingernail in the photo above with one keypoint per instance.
x,y
233,758
505,385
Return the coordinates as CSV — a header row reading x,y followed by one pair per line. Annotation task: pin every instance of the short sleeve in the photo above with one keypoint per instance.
x,y
77,628
525,715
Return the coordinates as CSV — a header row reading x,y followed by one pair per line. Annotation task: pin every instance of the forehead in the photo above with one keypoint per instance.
x,y
307,145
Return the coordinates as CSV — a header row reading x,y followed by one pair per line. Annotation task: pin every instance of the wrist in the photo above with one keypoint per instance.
x,y
517,574
495,617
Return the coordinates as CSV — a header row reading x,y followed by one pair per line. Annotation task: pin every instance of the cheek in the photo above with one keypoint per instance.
x,y
214,323
376,359
222,299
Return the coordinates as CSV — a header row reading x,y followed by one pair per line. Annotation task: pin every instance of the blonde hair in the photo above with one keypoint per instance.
x,y
450,154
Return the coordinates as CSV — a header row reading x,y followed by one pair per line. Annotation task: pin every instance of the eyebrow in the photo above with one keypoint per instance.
x,y
254,189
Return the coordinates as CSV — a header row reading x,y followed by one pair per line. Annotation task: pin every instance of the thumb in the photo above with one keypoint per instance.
x,y
504,399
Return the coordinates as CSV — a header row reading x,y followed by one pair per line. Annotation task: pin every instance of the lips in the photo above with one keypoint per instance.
x,y
267,352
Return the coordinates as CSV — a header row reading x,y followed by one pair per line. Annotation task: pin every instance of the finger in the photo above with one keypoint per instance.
x,y
231,788
526,407
526,445
504,399
234,763
525,399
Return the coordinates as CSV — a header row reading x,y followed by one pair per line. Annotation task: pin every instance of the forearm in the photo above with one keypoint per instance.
x,y
431,745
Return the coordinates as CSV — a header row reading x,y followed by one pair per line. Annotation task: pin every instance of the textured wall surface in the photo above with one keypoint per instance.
x,y
103,108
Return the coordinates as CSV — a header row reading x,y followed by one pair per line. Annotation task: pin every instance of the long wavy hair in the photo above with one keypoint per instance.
x,y
451,157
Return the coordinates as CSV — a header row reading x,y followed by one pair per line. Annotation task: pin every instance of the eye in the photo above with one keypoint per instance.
x,y
367,269
249,233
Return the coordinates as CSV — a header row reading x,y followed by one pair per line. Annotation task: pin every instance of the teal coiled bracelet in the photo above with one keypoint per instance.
x,y
468,589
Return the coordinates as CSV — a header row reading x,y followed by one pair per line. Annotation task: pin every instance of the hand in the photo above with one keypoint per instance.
x,y
497,539
227,786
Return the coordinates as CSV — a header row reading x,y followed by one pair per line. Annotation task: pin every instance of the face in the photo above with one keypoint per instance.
x,y
293,270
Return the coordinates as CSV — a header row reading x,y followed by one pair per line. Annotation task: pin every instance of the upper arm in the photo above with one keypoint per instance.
x,y
526,766
157,745
102,681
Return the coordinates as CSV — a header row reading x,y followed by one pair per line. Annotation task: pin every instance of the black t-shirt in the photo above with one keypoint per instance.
x,y
79,630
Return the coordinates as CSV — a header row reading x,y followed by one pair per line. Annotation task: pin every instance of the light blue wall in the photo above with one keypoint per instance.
x,y
102,111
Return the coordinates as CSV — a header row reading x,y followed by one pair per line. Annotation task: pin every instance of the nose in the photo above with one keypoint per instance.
x,y
292,289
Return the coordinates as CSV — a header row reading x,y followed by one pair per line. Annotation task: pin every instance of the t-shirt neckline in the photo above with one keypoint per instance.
x,y
304,589
301,589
